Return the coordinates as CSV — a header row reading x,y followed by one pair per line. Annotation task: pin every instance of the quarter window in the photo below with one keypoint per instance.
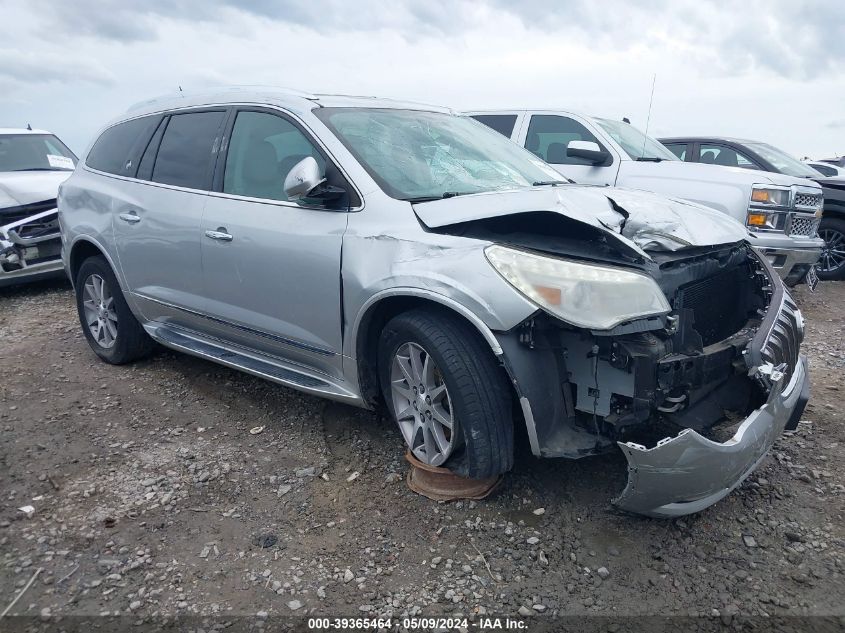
x,y
263,149
502,123
549,135
185,155
116,148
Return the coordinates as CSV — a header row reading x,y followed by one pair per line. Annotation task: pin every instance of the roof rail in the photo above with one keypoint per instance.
x,y
216,90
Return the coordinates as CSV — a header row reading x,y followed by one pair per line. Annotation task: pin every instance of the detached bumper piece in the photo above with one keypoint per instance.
x,y
688,472
30,248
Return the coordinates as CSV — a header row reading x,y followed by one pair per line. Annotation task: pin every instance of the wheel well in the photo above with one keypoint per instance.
x,y
372,323
81,251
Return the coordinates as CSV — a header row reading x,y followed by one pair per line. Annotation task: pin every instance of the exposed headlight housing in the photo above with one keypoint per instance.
x,y
591,296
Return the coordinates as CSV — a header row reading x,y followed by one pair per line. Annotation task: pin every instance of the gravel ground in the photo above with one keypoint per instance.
x,y
152,497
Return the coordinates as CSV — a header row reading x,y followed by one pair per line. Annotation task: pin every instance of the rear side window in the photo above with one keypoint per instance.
x,y
725,156
550,134
115,150
187,148
502,123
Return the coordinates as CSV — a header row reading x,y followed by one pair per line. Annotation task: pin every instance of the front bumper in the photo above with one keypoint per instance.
x,y
687,473
30,249
790,257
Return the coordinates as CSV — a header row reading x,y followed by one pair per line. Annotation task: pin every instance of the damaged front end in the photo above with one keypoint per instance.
x,y
30,243
659,330
694,398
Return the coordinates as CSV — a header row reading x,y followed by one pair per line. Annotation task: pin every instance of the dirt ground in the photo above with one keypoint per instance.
x,y
152,497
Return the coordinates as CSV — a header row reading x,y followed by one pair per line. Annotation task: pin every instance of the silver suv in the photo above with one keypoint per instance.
x,y
377,252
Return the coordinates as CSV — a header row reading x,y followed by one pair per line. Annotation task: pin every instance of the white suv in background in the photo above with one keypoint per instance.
x,y
599,151
33,163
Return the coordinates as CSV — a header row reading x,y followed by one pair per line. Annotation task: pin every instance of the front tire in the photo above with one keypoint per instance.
x,y
831,264
448,394
111,329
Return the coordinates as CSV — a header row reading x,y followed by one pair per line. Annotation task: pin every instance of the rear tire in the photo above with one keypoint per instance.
x,y
831,264
111,329
470,386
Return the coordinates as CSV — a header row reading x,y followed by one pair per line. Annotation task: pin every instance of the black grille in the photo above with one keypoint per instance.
x,y
13,214
718,304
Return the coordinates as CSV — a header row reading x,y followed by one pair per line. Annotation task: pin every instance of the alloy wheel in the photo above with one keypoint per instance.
x,y
100,314
422,405
833,252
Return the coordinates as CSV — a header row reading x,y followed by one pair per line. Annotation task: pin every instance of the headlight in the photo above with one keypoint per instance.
x,y
769,196
585,295
767,207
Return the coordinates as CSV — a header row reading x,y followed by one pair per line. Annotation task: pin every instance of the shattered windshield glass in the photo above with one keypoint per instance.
x,y
34,152
416,155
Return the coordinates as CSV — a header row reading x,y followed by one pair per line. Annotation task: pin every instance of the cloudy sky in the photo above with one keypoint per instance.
x,y
771,70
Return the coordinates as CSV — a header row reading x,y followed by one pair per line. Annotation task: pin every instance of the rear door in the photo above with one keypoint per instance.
x,y
157,226
271,265
548,136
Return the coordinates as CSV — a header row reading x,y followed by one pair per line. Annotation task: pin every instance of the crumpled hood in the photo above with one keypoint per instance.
x,y
641,220
25,187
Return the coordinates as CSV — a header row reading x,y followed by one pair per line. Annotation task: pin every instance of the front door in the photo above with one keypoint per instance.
x,y
271,267
548,136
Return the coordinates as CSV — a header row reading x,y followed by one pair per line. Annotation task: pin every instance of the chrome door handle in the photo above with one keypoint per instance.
x,y
132,218
220,235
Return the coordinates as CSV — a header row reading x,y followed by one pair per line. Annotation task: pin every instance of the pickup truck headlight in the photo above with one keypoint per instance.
x,y
768,207
585,295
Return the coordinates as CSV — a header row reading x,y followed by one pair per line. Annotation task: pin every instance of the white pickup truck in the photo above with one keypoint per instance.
x,y
604,152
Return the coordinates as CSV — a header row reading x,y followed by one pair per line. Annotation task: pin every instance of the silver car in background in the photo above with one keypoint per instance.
x,y
373,251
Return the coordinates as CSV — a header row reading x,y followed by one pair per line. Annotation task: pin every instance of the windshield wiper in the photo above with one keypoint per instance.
x,y
650,159
43,169
552,183
442,196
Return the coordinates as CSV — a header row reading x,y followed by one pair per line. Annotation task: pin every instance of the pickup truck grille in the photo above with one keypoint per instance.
x,y
802,224
784,341
808,200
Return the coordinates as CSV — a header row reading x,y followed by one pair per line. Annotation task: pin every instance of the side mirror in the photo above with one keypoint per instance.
x,y
588,150
303,178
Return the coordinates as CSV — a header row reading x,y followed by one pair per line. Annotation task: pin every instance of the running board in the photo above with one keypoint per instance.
x,y
273,370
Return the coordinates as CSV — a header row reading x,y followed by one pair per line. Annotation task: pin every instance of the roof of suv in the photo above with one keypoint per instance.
x,y
286,97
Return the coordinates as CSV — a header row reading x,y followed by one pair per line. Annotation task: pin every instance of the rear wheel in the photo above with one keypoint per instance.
x,y
447,393
832,261
111,329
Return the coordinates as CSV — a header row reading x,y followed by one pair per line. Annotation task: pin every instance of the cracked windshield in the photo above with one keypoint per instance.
x,y
420,156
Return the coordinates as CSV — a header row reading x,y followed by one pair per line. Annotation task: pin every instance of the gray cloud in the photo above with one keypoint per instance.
x,y
792,38
799,39
28,67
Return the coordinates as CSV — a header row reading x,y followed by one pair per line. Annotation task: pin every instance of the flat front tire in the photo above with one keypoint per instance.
x,y
109,326
447,393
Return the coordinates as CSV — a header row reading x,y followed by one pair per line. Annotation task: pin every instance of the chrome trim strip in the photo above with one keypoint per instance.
x,y
244,328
